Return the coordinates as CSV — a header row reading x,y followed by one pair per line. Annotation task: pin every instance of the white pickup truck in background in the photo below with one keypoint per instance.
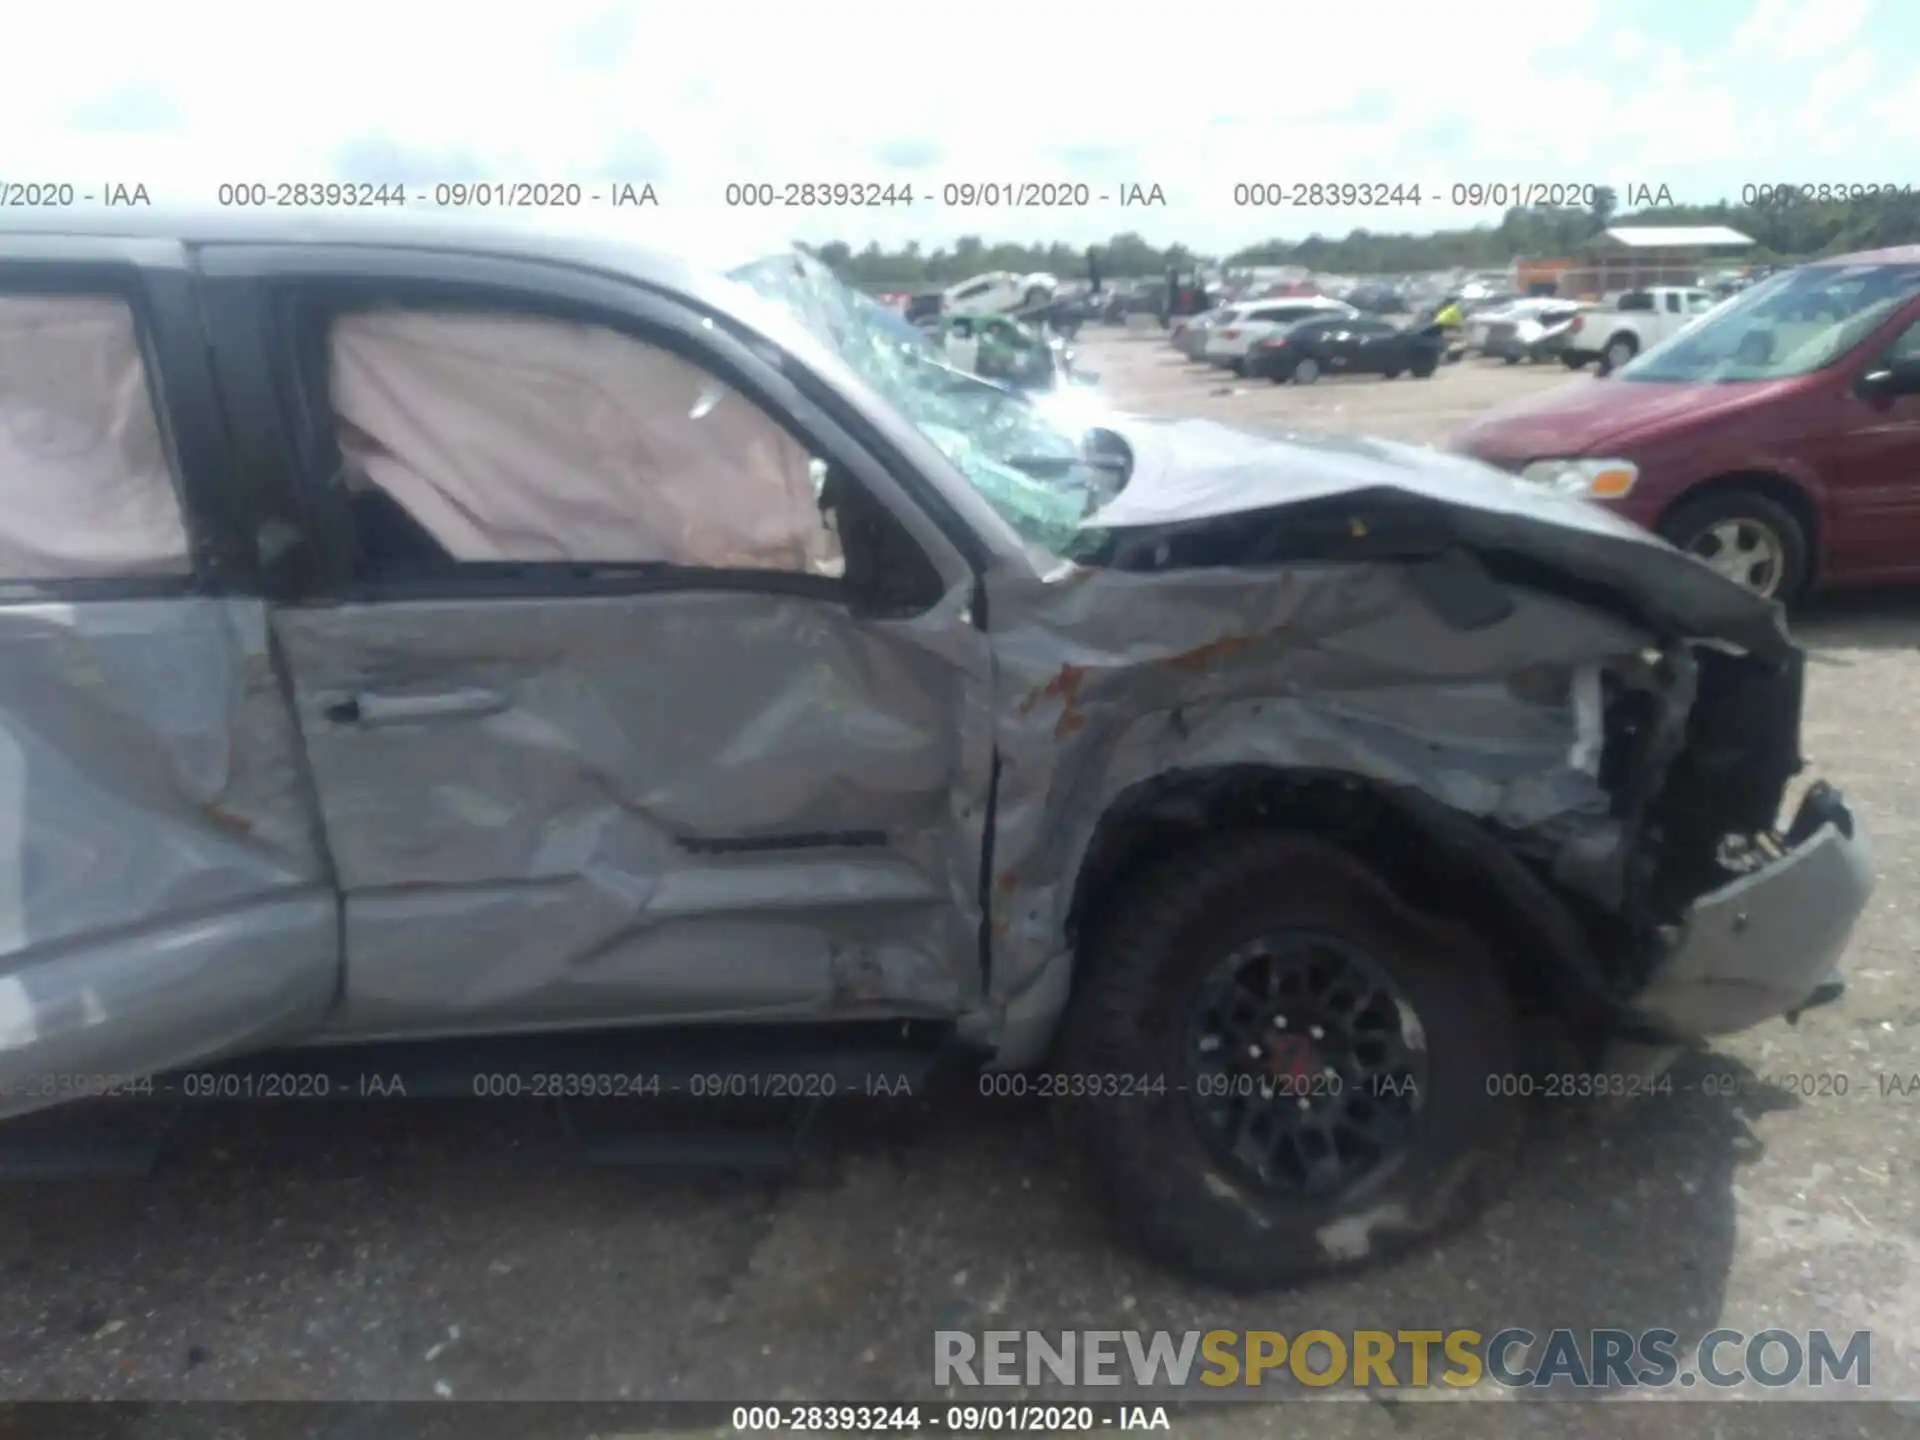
x,y
1638,320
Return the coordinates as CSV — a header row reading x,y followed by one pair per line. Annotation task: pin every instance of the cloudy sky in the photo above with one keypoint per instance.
x,y
1702,96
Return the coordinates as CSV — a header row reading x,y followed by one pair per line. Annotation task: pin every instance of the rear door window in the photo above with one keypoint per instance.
x,y
87,483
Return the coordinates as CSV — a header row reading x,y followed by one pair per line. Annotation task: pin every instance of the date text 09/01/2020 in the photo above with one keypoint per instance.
x,y
956,194
246,1084
1511,1085
1372,194
449,195
1527,194
1016,1419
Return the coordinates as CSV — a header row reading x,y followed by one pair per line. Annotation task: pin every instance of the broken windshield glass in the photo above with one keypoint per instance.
x,y
1031,469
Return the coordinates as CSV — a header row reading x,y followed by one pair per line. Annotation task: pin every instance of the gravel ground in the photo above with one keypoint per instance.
x,y
406,1251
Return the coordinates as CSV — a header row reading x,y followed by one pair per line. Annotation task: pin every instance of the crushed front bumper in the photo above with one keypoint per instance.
x,y
1768,943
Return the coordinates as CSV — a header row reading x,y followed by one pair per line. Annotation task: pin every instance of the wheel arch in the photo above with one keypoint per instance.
x,y
1440,860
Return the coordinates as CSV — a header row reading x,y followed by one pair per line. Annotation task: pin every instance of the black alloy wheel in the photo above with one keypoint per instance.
x,y
1305,1070
1305,1064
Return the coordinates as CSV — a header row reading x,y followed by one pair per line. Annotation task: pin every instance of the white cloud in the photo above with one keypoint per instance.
x,y
729,90
1797,30
1832,94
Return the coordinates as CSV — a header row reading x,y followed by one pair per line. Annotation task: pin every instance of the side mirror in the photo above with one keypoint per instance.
x,y
1886,379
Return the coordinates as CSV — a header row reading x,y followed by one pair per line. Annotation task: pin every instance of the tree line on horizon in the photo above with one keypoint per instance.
x,y
1783,229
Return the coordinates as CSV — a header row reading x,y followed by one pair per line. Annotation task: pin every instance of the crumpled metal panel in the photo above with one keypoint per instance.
x,y
1187,471
681,803
162,892
1110,678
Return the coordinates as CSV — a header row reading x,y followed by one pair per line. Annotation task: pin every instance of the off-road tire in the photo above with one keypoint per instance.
x,y
1393,374
1424,370
1145,1153
1682,524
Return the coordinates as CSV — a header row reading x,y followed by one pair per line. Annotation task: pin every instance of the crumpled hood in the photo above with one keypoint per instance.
x,y
1188,472
1583,416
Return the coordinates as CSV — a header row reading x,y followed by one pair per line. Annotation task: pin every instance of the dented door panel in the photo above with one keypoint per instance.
x,y
684,805
163,894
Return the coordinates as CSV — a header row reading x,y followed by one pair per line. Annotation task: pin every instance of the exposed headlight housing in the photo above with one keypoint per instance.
x,y
1594,479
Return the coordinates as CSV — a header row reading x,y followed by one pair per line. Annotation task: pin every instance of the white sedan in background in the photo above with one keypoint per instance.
x,y
1233,336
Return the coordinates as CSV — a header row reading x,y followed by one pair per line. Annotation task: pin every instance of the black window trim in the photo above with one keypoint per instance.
x,y
164,306
358,276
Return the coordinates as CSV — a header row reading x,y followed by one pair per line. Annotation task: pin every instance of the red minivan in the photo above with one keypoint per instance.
x,y
1777,438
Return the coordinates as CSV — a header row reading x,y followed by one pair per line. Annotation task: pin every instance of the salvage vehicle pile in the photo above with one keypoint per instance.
x,y
618,649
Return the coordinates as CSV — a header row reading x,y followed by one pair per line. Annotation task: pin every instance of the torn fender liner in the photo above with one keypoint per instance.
x,y
1112,678
1192,471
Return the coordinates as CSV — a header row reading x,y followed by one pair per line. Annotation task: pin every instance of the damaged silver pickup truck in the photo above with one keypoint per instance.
x,y
418,633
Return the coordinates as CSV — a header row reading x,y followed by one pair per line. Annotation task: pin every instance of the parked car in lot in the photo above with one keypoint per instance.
x,y
1132,303
998,291
1778,439
998,347
1639,320
1230,340
1480,316
422,636
1378,300
1304,352
1531,330
1189,336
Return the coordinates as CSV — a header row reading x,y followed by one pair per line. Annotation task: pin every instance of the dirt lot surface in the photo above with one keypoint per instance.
x,y
404,1251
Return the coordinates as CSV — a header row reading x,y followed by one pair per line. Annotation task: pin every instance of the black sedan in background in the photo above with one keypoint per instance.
x,y
1346,346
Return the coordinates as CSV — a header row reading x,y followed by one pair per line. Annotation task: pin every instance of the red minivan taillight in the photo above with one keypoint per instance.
x,y
1574,328
1229,334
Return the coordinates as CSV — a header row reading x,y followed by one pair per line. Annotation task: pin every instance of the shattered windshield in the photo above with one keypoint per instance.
x,y
1031,469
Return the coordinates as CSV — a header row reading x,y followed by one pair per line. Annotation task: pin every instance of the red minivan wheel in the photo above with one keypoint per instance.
x,y
1752,540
